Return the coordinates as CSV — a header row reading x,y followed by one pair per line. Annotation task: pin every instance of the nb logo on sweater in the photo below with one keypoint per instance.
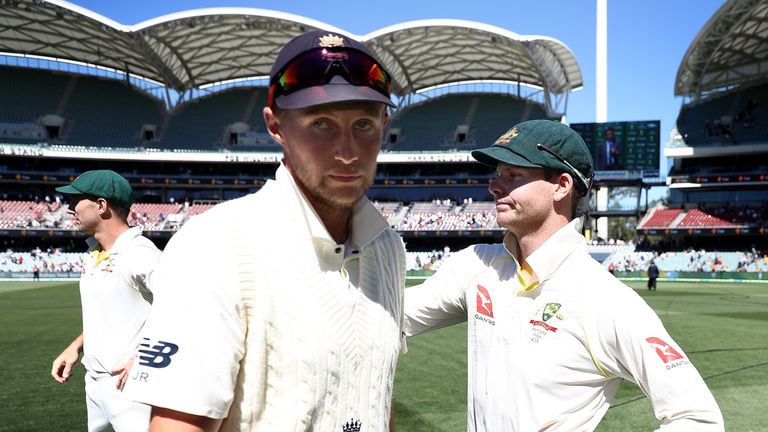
x,y
352,426
157,355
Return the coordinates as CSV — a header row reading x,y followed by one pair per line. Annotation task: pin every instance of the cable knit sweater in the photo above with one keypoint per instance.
x,y
278,328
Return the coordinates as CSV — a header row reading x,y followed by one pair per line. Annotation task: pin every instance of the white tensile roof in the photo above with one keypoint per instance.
x,y
199,47
729,50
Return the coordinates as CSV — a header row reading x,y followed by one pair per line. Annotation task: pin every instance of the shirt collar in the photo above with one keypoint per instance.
x,y
526,277
119,243
549,256
367,222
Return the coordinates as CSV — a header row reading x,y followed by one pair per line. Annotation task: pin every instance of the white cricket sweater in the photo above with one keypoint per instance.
x,y
271,331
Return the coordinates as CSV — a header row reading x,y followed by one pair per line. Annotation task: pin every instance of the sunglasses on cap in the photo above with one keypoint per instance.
x,y
319,66
586,181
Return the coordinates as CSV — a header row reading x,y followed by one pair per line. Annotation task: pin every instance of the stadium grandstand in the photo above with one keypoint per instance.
x,y
716,216
180,118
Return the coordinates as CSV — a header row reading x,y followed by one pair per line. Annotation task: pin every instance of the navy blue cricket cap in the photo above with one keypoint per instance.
x,y
315,85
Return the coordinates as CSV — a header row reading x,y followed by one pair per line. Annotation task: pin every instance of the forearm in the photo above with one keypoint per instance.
x,y
167,420
77,344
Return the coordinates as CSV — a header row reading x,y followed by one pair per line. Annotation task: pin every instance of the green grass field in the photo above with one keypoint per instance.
x,y
723,328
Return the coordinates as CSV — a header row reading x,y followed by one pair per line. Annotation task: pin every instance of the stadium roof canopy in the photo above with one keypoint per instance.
x,y
730,50
190,49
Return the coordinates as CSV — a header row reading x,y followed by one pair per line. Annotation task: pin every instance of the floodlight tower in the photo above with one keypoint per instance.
x,y
601,98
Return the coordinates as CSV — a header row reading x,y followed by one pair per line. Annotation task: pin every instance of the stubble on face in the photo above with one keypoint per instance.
x,y
320,168
523,199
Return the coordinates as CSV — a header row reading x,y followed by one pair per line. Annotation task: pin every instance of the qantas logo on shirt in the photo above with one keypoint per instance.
x,y
157,355
664,350
484,303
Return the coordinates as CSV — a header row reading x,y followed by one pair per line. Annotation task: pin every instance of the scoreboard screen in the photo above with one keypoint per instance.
x,y
623,149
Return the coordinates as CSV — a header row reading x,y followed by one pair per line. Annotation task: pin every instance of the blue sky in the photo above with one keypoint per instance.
x,y
646,39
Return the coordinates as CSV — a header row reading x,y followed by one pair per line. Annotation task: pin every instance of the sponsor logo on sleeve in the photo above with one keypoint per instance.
x,y
670,356
484,303
484,306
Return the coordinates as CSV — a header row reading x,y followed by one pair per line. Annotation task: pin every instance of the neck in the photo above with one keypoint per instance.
x,y
529,242
336,221
109,234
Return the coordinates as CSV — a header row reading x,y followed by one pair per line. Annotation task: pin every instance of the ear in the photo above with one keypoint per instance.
x,y
273,125
103,206
563,187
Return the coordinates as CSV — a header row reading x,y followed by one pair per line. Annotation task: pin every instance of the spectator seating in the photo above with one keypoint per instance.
x,y
29,93
24,262
28,214
425,216
425,260
94,119
447,216
151,216
659,218
201,123
388,209
497,113
738,116
696,218
196,209
86,103
431,125
718,217
689,261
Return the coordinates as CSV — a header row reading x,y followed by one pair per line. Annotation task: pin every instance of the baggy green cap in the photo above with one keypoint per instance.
x,y
519,146
105,184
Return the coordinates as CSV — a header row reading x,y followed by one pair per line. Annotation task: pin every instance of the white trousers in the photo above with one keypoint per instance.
x,y
110,410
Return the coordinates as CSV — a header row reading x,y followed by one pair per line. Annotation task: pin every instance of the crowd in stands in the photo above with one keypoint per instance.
x,y
724,127
449,216
616,255
31,214
690,260
624,258
51,260
430,260
436,215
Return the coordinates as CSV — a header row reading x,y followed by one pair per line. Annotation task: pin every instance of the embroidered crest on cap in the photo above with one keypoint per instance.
x,y
330,40
509,134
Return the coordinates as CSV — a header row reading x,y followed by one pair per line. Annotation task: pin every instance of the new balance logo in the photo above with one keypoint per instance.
x,y
484,304
664,350
352,426
157,355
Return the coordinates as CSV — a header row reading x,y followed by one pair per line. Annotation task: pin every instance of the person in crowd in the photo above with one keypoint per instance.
x,y
551,333
115,297
295,323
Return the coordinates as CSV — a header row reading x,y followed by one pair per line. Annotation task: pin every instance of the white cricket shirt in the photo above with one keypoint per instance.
x,y
260,317
115,300
552,358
